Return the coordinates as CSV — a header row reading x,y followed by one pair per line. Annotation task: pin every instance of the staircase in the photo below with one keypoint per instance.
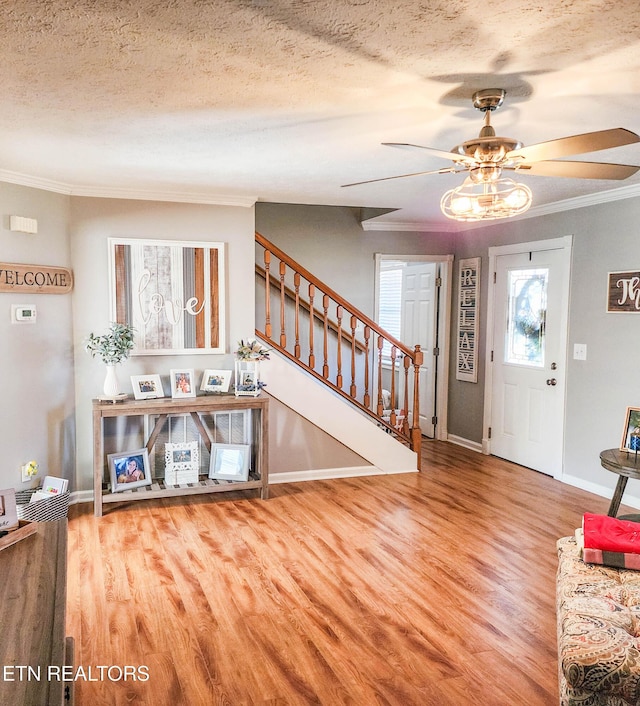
x,y
317,330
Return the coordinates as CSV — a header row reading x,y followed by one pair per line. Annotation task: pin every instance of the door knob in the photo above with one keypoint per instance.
x,y
552,381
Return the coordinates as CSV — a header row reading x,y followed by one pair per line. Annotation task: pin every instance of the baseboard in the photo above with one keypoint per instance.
x,y
601,490
460,441
331,473
81,496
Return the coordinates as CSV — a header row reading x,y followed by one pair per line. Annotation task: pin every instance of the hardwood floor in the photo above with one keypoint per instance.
x,y
435,588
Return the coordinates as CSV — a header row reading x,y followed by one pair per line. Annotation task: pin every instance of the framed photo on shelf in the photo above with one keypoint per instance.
x,y
229,462
216,380
146,387
181,463
631,430
182,383
129,470
8,509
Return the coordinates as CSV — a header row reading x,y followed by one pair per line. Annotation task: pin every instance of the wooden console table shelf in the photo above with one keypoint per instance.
x,y
193,406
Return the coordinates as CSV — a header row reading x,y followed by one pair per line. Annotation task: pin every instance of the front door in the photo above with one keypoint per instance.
x,y
528,350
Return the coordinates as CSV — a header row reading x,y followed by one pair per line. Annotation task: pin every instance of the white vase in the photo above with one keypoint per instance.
x,y
111,386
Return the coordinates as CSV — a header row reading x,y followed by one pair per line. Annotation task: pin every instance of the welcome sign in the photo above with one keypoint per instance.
x,y
624,292
35,279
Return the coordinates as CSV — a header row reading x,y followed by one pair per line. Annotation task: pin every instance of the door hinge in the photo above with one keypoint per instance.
x,y
489,433
494,277
436,351
492,356
434,420
438,281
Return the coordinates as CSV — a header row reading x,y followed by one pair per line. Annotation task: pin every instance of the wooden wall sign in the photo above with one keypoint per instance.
x,y
467,343
171,292
624,292
35,279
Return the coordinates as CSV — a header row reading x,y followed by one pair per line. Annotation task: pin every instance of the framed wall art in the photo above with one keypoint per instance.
x,y
129,470
171,292
146,387
468,307
623,292
216,380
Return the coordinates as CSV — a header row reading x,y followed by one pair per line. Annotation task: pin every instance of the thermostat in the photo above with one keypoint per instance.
x,y
23,313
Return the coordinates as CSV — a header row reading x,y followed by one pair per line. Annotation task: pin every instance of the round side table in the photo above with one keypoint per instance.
x,y
627,465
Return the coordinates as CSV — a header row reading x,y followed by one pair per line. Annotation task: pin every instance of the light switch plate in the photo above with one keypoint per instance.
x,y
579,351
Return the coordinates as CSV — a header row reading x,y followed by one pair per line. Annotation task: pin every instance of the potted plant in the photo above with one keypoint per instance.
x,y
112,348
248,357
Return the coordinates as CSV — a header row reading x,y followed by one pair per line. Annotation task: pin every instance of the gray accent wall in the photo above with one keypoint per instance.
x,y
36,360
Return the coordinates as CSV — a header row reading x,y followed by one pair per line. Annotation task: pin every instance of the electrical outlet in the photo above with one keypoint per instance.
x,y
26,476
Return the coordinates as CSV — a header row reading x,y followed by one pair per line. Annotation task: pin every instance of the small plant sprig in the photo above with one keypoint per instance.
x,y
112,347
252,350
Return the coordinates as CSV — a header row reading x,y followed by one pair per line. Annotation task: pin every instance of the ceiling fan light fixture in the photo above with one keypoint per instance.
x,y
486,201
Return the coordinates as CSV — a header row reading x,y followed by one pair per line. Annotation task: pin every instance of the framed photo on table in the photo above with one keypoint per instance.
x,y
216,380
182,384
229,462
631,430
146,387
129,470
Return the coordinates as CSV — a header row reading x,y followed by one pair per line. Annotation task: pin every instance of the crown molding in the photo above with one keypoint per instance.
x,y
624,192
106,192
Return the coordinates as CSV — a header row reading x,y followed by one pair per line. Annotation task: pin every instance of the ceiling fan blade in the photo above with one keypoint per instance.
x,y
444,170
575,144
436,153
579,170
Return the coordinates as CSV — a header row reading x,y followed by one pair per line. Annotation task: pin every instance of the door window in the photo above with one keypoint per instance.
x,y
527,311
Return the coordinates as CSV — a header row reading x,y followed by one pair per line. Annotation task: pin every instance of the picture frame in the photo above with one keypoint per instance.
x,y
631,430
229,462
216,380
182,383
8,509
181,463
172,292
124,475
147,387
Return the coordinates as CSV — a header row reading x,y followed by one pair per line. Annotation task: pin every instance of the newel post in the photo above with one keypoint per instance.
x,y
416,434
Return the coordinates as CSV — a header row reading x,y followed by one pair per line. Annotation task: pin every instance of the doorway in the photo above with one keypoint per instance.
x,y
527,353
412,302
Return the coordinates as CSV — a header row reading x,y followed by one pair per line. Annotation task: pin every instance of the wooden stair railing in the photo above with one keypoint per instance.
x,y
356,353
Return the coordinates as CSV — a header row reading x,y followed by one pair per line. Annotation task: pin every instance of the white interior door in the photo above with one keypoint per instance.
x,y
530,305
419,326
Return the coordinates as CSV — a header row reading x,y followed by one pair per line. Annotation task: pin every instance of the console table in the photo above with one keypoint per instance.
x,y
193,406
626,465
32,619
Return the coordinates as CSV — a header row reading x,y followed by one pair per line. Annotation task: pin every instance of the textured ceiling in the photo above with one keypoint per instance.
x,y
272,100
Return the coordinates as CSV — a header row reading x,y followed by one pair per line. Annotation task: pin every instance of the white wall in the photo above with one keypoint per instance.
x,y
92,222
36,361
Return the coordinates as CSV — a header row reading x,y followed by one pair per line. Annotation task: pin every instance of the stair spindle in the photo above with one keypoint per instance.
x,y
339,313
283,335
312,358
267,295
296,286
325,307
367,397
352,389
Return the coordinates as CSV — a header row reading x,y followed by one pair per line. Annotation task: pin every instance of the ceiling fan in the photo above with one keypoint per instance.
x,y
486,194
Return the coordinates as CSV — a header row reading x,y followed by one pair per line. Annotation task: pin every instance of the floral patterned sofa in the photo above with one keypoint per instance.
x,y
598,610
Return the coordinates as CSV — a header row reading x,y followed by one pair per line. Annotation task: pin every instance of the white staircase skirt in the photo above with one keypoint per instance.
x,y
312,400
